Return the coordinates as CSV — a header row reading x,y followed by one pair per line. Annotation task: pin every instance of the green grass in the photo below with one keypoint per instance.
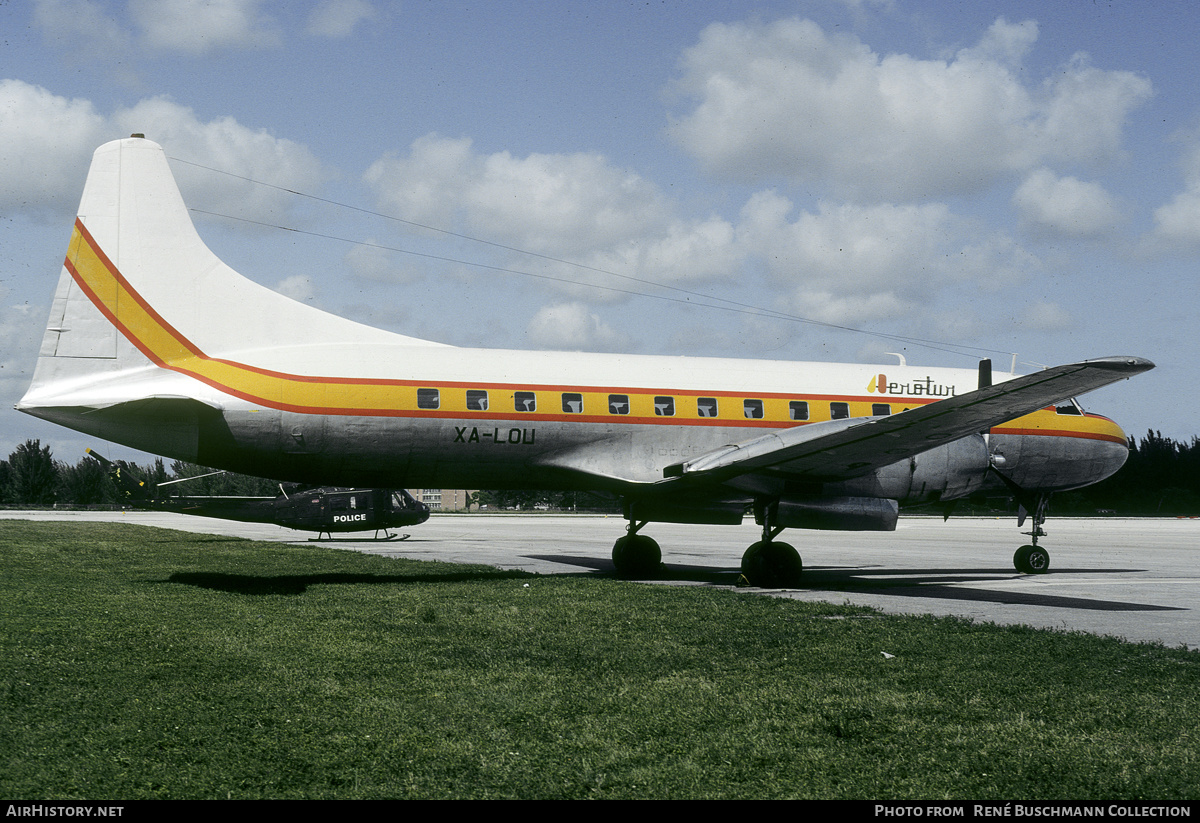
x,y
137,663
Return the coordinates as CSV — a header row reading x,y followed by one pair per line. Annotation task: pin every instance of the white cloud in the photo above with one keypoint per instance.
x,y
297,287
46,144
572,327
1065,205
245,154
843,263
555,204
1045,317
574,207
854,265
201,26
693,250
419,187
1177,223
788,100
844,246
337,18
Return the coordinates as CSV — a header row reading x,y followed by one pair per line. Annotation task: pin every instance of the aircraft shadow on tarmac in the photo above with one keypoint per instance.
x,y
299,583
919,584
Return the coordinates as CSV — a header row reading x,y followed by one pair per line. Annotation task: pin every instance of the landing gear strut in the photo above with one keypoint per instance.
x,y
636,555
768,564
1033,559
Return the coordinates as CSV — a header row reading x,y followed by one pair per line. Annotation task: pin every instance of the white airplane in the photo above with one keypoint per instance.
x,y
154,343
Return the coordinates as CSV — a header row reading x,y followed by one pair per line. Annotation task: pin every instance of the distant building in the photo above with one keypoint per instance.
x,y
449,500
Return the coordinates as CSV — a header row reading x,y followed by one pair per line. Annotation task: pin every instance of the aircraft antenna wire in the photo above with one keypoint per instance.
x,y
729,305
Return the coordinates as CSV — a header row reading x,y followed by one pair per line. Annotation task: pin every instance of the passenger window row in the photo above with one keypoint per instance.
x,y
664,406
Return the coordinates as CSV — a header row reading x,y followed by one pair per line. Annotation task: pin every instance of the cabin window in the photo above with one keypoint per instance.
x,y
477,400
881,409
706,406
428,399
525,401
798,409
839,411
618,404
664,406
572,402
753,409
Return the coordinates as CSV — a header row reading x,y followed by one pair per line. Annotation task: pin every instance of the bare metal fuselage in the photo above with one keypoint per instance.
x,y
155,343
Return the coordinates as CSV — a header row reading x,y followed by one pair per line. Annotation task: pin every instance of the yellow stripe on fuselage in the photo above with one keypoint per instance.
x,y
1048,423
166,347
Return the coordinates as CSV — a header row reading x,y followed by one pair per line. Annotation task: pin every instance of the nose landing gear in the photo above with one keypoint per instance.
x,y
1033,559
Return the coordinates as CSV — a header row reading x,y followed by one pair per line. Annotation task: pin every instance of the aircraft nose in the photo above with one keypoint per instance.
x,y
1113,448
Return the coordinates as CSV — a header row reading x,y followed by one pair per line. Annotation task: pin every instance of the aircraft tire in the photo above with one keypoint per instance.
x,y
1032,560
636,555
772,565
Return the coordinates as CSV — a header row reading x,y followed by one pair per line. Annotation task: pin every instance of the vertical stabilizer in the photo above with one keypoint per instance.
x,y
146,319
140,291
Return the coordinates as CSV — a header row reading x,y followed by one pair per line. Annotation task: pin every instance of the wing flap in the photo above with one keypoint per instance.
x,y
843,449
166,408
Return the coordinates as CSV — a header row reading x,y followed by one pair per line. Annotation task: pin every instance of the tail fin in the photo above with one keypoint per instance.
x,y
140,298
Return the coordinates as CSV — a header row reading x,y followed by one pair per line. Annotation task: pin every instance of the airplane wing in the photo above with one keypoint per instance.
x,y
844,449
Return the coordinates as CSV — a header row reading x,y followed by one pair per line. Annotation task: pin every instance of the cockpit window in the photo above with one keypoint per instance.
x,y
1068,407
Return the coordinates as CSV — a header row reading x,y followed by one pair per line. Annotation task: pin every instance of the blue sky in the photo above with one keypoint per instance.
x,y
1006,178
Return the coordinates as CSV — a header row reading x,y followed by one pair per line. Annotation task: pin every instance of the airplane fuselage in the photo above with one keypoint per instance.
x,y
541,431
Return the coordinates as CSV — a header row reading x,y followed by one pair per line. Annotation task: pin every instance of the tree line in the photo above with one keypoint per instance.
x,y
1161,477
32,477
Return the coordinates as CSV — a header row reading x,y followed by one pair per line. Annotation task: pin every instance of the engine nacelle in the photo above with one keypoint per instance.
x,y
862,514
948,472
687,509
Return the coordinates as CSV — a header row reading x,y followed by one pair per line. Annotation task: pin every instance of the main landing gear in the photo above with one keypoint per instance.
x,y
636,555
768,564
